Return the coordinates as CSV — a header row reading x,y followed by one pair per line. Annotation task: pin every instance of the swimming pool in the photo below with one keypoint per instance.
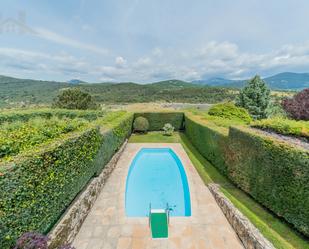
x,y
157,177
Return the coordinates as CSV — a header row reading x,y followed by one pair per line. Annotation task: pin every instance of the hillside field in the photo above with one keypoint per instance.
x,y
17,92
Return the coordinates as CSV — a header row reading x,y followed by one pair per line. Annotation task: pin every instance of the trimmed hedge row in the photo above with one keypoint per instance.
x,y
37,188
272,172
210,141
26,115
158,119
284,126
17,137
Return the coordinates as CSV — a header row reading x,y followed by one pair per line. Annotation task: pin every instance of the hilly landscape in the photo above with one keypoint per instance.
x,y
15,91
281,81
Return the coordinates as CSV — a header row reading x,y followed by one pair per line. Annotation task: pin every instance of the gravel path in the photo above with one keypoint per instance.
x,y
292,140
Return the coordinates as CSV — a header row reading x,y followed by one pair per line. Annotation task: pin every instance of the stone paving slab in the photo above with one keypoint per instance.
x,y
107,227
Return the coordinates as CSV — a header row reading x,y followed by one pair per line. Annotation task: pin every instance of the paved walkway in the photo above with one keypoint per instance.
x,y
107,227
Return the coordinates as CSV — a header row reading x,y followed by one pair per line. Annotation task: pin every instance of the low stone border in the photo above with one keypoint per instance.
x,y
248,233
71,221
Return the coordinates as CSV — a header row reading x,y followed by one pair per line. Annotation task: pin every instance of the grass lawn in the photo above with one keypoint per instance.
x,y
273,228
154,137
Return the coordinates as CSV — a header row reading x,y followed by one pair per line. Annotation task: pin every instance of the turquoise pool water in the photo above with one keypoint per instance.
x,y
157,176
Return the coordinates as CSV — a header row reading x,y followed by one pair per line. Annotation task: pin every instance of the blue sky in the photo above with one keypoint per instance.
x,y
152,40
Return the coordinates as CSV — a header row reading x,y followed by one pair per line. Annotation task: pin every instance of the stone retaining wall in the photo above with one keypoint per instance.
x,y
248,234
70,223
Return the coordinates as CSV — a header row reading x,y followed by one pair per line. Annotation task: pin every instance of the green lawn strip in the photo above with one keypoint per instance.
x,y
154,137
277,231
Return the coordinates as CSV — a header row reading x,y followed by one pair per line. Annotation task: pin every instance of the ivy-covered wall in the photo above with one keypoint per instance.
x,y
158,119
35,189
272,172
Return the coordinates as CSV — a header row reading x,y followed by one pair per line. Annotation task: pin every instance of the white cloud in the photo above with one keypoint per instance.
x,y
120,61
213,59
19,60
143,62
223,50
58,38
157,52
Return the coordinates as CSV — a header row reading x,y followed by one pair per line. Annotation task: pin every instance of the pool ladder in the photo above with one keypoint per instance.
x,y
167,210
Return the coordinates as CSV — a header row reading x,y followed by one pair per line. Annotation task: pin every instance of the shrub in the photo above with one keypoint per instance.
x,y
255,97
74,98
32,240
230,111
168,129
298,106
158,119
141,124
284,126
275,110
37,187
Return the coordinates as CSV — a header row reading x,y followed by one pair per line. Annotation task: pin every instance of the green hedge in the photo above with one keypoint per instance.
x,y
273,173
210,141
25,115
231,112
36,188
298,128
158,119
16,137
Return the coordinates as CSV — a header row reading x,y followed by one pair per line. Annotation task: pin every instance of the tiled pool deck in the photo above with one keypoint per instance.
x,y
107,227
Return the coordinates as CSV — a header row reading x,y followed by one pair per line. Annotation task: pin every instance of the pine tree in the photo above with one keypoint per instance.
x,y
255,97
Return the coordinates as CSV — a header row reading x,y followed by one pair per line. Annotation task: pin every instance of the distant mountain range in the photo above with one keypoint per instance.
x,y
281,81
75,81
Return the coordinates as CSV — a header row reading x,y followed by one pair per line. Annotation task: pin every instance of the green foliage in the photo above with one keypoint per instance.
x,y
222,122
168,129
209,140
25,115
141,124
273,173
284,126
37,187
255,97
215,121
19,136
275,110
158,119
74,98
230,111
13,92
